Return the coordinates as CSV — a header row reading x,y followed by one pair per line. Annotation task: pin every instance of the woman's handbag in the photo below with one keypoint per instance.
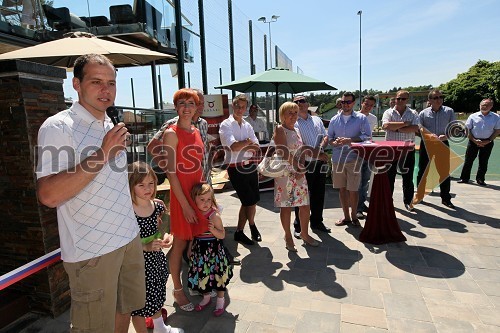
x,y
273,166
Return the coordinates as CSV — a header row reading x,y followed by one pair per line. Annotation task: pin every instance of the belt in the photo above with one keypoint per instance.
x,y
314,161
242,163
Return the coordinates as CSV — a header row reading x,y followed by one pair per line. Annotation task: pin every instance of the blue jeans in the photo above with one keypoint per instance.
x,y
363,185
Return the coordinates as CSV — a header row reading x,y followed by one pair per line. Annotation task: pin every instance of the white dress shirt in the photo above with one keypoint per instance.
x,y
230,132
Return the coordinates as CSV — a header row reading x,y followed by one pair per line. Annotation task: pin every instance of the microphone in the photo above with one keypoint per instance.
x,y
112,113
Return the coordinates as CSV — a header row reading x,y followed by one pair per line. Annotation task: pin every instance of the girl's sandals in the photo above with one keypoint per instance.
x,y
220,312
186,307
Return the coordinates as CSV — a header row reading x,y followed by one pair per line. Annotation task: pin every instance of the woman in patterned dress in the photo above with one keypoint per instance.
x,y
291,190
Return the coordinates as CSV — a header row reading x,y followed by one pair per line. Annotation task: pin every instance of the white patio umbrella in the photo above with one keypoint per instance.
x,y
63,52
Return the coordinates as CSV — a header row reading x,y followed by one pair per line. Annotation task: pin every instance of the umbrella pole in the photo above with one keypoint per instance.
x,y
277,117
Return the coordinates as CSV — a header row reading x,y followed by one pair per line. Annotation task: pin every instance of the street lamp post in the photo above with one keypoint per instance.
x,y
274,18
359,13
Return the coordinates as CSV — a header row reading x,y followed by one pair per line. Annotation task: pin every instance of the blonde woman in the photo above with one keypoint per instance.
x,y
291,190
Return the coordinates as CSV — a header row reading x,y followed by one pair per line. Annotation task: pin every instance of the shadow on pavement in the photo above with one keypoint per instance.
x,y
428,220
416,260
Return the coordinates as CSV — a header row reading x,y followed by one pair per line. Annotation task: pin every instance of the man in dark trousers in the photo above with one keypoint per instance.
x,y
400,124
314,135
434,121
484,127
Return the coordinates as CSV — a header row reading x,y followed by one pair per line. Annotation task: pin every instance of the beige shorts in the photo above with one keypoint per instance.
x,y
102,286
346,175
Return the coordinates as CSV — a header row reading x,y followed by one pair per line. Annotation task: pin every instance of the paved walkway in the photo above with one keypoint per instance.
x,y
445,278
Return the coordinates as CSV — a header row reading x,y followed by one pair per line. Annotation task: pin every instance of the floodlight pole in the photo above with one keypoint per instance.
x,y
359,13
274,18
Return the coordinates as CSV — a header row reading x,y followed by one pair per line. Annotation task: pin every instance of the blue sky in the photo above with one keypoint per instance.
x,y
405,42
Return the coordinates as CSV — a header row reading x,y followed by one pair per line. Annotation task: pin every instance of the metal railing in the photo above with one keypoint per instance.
x,y
142,124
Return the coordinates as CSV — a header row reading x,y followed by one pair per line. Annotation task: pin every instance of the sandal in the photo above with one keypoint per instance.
x,y
355,222
309,241
220,312
314,243
342,222
200,307
290,246
186,307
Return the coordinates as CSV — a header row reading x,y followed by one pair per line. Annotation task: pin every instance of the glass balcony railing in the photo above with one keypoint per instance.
x,y
148,23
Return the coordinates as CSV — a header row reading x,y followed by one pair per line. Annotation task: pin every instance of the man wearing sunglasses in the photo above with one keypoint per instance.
x,y
400,124
347,127
313,134
434,121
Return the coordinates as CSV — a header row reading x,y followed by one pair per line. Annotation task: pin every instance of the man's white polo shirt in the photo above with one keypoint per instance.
x,y
100,218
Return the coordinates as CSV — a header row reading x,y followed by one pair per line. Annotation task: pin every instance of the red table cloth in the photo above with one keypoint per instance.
x,y
381,225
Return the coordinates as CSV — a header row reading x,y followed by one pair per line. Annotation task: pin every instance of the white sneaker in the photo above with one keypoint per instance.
x,y
174,329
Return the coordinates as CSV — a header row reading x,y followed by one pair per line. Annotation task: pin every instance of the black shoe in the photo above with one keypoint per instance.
x,y
255,233
296,234
235,262
365,208
239,236
321,227
463,181
409,207
360,216
448,204
481,182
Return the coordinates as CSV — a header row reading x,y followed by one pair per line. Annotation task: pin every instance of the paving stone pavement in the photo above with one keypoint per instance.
x,y
444,278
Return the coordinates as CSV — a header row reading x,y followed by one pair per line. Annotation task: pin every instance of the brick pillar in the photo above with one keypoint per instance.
x,y
29,93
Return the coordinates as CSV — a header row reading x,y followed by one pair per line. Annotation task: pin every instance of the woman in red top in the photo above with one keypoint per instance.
x,y
184,155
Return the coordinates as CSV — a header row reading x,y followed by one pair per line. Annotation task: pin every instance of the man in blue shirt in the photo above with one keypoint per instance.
x,y
484,127
347,127
435,119
313,134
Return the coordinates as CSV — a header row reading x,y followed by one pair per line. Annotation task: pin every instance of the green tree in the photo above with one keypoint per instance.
x,y
465,92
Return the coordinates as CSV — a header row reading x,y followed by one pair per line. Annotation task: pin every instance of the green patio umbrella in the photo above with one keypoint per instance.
x,y
278,80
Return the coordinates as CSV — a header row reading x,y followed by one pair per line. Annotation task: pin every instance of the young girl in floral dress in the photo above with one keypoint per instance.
x,y
209,262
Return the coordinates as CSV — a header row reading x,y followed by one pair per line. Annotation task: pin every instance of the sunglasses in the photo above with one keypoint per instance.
x,y
346,102
401,98
437,97
301,101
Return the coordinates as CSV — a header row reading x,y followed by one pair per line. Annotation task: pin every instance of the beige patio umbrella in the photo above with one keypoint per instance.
x,y
63,52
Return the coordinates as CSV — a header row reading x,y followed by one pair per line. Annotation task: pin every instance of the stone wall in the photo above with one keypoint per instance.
x,y
29,93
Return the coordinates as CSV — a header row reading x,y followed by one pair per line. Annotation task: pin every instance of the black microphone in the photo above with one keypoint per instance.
x,y
112,113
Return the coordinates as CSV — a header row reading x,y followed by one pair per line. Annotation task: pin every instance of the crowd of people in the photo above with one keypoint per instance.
x,y
109,217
